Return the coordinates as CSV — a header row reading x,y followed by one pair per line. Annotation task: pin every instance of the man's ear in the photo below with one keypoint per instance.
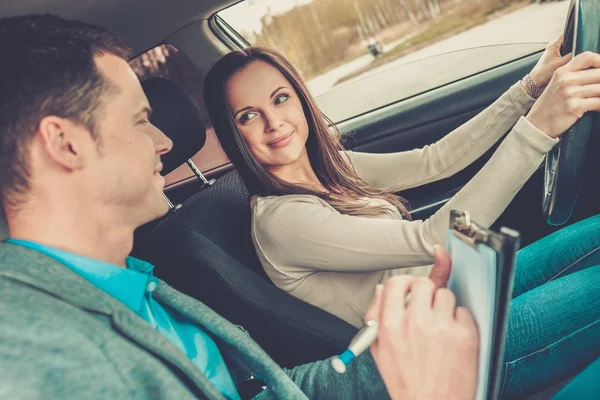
x,y
65,142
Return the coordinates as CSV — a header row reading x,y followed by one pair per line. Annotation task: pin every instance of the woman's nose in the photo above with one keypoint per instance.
x,y
273,121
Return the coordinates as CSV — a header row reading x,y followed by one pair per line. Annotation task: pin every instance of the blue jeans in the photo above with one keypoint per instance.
x,y
554,320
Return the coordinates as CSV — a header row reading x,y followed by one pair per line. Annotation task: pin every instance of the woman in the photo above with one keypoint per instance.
x,y
327,225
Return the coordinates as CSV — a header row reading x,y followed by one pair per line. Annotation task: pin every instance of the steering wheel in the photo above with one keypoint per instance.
x,y
564,164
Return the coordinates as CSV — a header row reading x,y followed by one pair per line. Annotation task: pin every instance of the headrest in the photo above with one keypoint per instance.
x,y
175,112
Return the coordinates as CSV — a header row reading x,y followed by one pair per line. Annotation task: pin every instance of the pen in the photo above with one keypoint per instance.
x,y
363,339
360,343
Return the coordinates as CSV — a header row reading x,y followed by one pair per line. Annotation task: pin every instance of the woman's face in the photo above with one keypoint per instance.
x,y
268,114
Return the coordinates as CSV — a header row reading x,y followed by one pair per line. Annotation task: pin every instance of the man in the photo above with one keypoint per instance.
x,y
79,172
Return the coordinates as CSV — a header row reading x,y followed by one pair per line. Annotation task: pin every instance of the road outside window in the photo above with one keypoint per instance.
x,y
359,55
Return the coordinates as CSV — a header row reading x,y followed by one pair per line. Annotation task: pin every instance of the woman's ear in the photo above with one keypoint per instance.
x,y
64,141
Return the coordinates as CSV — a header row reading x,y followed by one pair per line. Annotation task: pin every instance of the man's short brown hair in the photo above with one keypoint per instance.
x,y
47,69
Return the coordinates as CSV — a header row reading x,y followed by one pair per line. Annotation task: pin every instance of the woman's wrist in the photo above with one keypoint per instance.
x,y
531,87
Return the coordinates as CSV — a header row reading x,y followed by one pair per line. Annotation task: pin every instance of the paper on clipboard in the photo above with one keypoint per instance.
x,y
473,281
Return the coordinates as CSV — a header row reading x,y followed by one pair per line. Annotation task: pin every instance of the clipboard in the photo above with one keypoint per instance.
x,y
483,264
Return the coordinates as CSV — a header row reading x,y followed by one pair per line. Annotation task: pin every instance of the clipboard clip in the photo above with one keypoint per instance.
x,y
466,230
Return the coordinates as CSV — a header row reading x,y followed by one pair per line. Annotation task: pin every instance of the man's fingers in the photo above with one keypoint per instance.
x,y
392,306
375,309
444,303
421,294
441,268
464,317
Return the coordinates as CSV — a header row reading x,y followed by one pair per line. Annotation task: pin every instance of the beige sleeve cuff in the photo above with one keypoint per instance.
x,y
533,136
522,94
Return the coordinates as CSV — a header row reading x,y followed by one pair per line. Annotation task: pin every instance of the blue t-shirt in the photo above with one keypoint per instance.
x,y
133,286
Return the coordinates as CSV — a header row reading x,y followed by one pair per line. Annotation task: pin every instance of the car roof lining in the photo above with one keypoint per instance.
x,y
141,23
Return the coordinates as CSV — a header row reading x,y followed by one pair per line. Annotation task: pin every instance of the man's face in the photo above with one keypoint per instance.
x,y
126,167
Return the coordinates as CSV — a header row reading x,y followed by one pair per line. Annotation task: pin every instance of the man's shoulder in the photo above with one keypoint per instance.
x,y
36,322
47,352
22,260
24,304
34,288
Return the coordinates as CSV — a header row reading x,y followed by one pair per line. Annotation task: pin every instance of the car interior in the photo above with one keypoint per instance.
x,y
203,246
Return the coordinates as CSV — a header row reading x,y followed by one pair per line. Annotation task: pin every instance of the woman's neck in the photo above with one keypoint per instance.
x,y
300,172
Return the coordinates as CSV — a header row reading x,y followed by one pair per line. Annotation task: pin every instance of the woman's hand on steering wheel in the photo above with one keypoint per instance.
x,y
550,61
573,90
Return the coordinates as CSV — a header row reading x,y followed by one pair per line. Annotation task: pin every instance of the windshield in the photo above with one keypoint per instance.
x,y
358,55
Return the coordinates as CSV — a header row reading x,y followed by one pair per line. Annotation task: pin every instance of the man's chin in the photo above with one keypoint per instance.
x,y
158,208
162,209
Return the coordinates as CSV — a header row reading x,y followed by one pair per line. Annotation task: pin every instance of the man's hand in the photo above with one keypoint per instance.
x,y
427,349
440,272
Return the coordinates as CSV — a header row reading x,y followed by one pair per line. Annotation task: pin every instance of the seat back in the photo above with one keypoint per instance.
x,y
221,213
206,251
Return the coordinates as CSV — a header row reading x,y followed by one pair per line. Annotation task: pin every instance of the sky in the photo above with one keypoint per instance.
x,y
245,16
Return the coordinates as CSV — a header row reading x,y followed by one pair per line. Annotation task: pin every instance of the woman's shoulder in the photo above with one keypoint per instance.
x,y
271,213
264,205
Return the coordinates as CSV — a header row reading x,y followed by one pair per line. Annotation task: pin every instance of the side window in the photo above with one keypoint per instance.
x,y
360,55
168,62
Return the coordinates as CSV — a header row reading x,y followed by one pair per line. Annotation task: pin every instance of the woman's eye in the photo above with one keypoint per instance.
x,y
247,117
281,98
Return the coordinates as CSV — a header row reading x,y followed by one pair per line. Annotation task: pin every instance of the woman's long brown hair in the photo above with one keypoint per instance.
x,y
345,189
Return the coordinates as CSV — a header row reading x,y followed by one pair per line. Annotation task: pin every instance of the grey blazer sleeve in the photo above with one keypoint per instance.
x,y
361,381
43,360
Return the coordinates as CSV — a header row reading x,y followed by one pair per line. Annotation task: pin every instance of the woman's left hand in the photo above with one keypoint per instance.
x,y
550,61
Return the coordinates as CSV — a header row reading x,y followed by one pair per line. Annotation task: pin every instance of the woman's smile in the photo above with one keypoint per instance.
x,y
281,141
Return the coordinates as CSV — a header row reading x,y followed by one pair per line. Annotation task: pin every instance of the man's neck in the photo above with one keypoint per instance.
x,y
79,231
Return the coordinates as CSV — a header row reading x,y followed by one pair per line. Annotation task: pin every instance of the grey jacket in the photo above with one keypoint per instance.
x,y
63,338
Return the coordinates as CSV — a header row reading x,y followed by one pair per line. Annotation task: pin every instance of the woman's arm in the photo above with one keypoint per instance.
x,y
456,151
465,144
301,234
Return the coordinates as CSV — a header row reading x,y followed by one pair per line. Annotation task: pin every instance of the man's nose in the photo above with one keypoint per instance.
x,y
162,143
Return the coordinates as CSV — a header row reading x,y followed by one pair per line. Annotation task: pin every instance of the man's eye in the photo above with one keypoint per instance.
x,y
247,117
281,98
144,121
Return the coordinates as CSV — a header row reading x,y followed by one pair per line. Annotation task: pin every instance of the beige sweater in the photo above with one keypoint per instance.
x,y
334,261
